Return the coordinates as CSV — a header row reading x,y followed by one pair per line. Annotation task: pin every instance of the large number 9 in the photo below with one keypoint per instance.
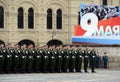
x,y
89,23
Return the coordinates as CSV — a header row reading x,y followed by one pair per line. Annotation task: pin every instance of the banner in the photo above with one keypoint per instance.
x,y
98,25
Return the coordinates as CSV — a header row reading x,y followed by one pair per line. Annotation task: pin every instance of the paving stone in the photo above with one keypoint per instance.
x,y
101,76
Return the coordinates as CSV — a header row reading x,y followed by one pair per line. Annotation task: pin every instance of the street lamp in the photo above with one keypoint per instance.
x,y
53,36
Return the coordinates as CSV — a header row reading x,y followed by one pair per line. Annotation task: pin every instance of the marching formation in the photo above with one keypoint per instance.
x,y
46,60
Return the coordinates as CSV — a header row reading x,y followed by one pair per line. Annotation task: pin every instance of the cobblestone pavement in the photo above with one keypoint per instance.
x,y
100,76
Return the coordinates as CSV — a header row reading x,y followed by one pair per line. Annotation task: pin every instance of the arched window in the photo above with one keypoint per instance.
x,y
59,19
27,42
30,18
104,2
49,19
54,42
79,17
1,17
20,18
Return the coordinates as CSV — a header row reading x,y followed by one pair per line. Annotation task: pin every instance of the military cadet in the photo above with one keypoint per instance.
x,y
78,54
1,58
58,66
8,59
72,60
66,57
62,51
29,52
38,59
86,59
105,60
4,53
23,58
52,59
45,59
15,59
93,60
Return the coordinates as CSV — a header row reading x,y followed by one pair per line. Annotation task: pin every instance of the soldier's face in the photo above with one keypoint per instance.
x,y
2,45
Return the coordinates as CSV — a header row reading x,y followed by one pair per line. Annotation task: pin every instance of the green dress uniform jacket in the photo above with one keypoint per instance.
x,y
37,60
2,58
45,60
8,60
52,60
30,59
72,60
23,60
15,61
58,66
86,59
78,64
92,60
66,58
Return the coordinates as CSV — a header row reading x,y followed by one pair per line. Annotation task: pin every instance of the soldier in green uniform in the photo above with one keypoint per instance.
x,y
78,54
1,58
19,52
52,59
38,59
4,52
86,59
66,58
72,60
93,60
30,59
15,59
23,58
58,65
8,58
63,59
45,59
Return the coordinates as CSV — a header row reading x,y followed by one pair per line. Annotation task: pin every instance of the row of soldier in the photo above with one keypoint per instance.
x,y
43,59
